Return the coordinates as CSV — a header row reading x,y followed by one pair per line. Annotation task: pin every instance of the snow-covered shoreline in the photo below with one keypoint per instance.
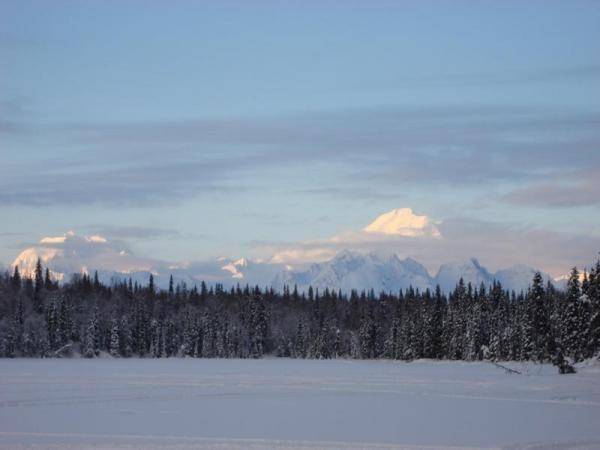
x,y
286,403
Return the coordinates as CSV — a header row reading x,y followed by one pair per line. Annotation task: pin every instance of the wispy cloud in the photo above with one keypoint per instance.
x,y
364,152
579,189
139,185
133,232
12,233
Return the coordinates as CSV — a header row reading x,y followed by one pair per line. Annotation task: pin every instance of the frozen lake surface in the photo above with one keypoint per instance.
x,y
295,404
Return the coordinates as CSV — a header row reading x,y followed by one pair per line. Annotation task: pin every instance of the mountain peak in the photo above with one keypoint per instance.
x,y
475,262
403,222
347,254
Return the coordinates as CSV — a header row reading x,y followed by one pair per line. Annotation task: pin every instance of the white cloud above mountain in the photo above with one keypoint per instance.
x,y
391,227
403,222
73,253
399,232
431,242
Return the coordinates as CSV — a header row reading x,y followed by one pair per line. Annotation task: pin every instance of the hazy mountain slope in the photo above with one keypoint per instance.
x,y
470,271
69,254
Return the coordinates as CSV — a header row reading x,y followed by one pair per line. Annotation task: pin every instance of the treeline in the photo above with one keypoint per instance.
x,y
39,318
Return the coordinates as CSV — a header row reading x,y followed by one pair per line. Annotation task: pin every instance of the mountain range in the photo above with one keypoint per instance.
x,y
351,270
69,254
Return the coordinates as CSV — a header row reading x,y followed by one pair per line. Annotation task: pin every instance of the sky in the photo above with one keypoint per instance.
x,y
197,129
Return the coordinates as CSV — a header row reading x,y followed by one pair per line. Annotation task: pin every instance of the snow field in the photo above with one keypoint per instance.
x,y
294,404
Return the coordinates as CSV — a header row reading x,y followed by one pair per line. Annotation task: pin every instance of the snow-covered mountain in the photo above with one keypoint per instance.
x,y
351,270
517,277
73,254
70,253
520,275
470,271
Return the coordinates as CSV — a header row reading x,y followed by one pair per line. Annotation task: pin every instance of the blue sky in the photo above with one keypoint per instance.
x,y
195,129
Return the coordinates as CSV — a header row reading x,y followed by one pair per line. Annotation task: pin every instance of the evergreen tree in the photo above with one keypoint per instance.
x,y
393,347
540,319
47,280
91,347
96,281
571,331
151,287
593,295
115,342
16,279
300,340
125,339
39,278
470,323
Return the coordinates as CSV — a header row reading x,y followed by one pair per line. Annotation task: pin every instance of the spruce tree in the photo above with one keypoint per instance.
x,y
115,344
593,295
299,341
151,287
539,309
571,329
47,280
39,278
96,281
90,349
252,322
16,279
392,345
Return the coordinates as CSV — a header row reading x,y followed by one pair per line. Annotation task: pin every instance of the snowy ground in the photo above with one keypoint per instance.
x,y
277,403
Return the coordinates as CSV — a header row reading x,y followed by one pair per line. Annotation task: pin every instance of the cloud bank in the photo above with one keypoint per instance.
x,y
368,150
459,238
72,253
400,231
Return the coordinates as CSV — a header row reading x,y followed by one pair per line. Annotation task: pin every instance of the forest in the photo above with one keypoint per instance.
x,y
42,318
